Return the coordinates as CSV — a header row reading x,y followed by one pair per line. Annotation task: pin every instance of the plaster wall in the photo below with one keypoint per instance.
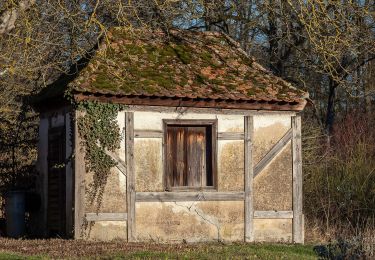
x,y
273,185
113,199
201,220
190,221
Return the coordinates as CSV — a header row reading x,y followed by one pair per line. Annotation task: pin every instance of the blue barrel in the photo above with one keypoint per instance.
x,y
15,213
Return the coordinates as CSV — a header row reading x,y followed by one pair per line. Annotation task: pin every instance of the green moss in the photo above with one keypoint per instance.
x,y
102,81
217,90
134,49
183,53
183,81
247,76
148,87
231,86
257,83
206,56
216,81
208,60
201,79
127,87
251,92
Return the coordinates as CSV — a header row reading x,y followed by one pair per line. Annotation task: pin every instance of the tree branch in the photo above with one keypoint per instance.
x,y
9,17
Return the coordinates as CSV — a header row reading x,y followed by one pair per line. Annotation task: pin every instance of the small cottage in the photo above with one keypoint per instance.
x,y
171,137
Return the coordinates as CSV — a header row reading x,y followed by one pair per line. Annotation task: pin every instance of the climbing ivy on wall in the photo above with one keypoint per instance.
x,y
99,131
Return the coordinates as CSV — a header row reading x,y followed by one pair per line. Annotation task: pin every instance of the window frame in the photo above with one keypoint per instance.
x,y
212,123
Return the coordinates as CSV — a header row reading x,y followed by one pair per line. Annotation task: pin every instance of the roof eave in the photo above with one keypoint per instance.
x,y
272,105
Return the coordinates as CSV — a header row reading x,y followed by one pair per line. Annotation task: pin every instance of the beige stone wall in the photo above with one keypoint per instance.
x,y
230,165
148,154
273,186
107,230
202,220
190,221
273,230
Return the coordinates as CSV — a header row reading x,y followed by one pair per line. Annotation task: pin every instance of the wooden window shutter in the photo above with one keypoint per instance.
x,y
188,156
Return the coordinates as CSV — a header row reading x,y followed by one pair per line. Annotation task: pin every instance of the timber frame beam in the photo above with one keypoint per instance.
x,y
130,175
249,178
298,225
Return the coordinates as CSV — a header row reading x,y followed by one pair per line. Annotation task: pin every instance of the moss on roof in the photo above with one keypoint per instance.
x,y
178,64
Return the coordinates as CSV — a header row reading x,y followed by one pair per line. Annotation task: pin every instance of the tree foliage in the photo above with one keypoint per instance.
x,y
323,46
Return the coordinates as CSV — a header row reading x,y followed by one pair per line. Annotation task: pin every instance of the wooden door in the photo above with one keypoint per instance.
x,y
56,189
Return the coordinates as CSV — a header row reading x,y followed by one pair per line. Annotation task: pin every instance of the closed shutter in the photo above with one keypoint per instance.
x,y
188,154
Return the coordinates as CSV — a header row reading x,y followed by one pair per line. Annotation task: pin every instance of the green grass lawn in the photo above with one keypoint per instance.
x,y
115,250
239,251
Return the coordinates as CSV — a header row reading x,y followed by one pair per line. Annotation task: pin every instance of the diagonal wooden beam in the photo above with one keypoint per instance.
x,y
120,163
276,149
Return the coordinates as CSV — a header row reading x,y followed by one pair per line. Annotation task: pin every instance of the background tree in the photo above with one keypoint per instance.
x,y
325,47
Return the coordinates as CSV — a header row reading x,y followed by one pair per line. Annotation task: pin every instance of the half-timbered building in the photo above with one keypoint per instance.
x,y
210,147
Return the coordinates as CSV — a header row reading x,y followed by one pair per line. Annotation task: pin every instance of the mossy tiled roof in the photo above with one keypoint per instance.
x,y
180,64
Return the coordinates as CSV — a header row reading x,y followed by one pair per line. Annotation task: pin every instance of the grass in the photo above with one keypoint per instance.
x,y
70,249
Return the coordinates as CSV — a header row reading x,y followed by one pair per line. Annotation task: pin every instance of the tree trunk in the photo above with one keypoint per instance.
x,y
330,116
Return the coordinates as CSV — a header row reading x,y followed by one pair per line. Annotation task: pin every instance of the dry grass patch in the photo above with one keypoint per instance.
x,y
73,249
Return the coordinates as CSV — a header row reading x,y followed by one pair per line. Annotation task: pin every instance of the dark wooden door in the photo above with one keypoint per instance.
x,y
186,156
56,202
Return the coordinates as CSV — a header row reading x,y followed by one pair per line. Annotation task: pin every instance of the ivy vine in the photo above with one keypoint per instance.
x,y
99,131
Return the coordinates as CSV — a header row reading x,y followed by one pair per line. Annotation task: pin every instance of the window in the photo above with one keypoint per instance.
x,y
190,154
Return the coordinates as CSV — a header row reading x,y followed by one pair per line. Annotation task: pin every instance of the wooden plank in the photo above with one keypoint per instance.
x,y
273,214
195,155
106,216
203,103
189,196
79,182
230,136
276,149
202,110
248,168
214,153
148,134
159,134
297,181
121,165
130,179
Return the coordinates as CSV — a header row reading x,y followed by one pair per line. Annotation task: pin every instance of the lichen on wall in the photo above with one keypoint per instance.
x,y
273,230
106,230
268,130
114,195
193,221
231,166
148,164
273,185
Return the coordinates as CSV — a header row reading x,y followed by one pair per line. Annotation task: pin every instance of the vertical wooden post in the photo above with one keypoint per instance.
x,y
79,181
298,228
249,211
130,177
